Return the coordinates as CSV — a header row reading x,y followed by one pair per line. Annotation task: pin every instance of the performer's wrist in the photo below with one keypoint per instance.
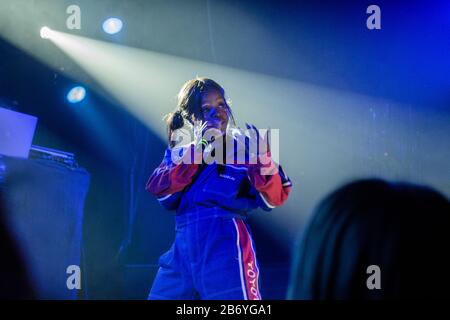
x,y
201,144
263,164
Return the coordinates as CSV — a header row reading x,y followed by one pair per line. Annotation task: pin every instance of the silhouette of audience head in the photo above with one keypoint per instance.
x,y
372,239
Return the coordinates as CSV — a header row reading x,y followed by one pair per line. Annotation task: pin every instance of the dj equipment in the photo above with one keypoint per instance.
x,y
16,133
43,191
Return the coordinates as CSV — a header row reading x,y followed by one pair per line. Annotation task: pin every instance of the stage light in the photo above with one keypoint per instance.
x,y
76,94
45,32
112,25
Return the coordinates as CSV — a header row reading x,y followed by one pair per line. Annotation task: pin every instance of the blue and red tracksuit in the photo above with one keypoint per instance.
x,y
213,255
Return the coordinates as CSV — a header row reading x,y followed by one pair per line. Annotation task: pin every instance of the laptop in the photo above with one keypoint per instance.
x,y
16,133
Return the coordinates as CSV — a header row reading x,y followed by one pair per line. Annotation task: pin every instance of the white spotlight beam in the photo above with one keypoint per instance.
x,y
327,136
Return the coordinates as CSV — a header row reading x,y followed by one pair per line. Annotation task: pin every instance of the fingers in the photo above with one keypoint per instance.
x,y
200,126
266,139
261,140
252,127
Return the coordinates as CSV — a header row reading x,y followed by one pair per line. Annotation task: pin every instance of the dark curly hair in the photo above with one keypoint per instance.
x,y
189,105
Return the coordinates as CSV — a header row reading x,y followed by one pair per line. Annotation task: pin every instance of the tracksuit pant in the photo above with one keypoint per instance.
x,y
212,258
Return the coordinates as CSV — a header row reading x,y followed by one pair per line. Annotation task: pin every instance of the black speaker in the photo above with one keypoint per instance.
x,y
43,204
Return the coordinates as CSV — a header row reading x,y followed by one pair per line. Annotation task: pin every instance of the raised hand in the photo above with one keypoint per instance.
x,y
199,128
261,141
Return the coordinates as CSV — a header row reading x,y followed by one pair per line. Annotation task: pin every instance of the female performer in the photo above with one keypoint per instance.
x,y
213,255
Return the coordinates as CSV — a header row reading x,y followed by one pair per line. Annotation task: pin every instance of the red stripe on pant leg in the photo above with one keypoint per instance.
x,y
251,272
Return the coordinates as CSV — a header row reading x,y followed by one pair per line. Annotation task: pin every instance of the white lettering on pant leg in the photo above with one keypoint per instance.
x,y
253,281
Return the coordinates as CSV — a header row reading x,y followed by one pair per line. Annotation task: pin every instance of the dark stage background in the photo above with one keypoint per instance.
x,y
349,103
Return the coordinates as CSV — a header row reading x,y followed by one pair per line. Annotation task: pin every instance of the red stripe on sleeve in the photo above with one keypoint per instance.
x,y
269,185
169,177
